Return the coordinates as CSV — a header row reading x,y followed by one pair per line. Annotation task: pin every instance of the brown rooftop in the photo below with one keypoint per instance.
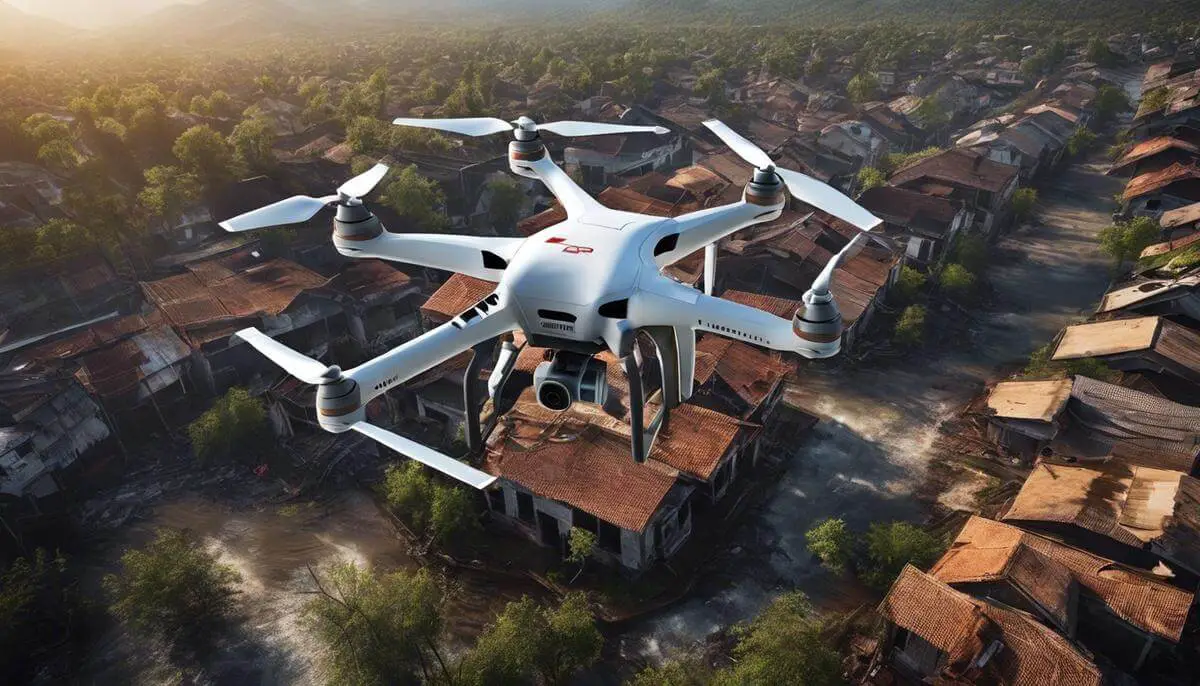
x,y
1151,182
1152,147
629,200
1030,400
963,628
1188,214
959,167
987,550
542,220
118,369
696,439
457,295
908,208
780,307
751,372
1107,338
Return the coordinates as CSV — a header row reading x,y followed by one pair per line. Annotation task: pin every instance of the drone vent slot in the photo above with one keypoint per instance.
x,y
666,244
493,261
617,309
557,316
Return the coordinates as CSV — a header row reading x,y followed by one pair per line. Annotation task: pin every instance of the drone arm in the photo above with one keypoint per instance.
x,y
486,320
481,257
694,231
574,199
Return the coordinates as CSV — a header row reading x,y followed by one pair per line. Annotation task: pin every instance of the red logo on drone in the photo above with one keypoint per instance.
x,y
568,248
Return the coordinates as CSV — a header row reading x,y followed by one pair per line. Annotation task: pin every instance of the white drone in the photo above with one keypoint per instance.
x,y
585,285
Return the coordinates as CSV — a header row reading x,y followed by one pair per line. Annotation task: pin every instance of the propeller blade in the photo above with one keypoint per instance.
x,y
825,279
294,210
584,128
828,199
744,148
363,183
427,456
300,366
472,126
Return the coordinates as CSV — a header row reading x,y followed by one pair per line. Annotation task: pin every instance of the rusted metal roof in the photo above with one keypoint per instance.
x,y
1151,182
459,293
118,369
750,372
910,209
1152,147
1030,400
363,279
698,181
780,307
985,550
629,200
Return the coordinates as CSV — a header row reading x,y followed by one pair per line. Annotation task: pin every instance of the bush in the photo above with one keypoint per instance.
x,y
1125,241
172,588
445,513
1081,141
1040,366
830,541
39,612
971,251
908,286
785,645
409,492
910,328
957,283
1023,202
453,521
870,177
235,421
891,546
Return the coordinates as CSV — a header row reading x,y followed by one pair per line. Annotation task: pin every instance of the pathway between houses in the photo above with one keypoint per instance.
x,y
870,453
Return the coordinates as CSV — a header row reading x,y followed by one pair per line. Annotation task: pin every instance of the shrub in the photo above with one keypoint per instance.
x,y
1040,366
870,177
908,286
1023,202
1125,241
235,421
910,328
830,541
409,493
1081,141
971,251
891,546
958,283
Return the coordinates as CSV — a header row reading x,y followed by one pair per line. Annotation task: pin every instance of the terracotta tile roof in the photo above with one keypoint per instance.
x,y
218,291
542,220
565,457
730,167
985,548
910,209
963,628
1032,400
959,167
1189,214
118,369
455,296
751,372
1129,504
629,200
1152,147
696,440
1151,182
362,279
780,307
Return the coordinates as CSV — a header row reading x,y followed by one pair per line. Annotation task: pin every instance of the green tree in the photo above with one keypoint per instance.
x,y
204,153
172,588
864,87
785,644
910,328
689,670
909,284
1125,241
1023,202
17,248
252,141
870,177
237,421
378,629
971,251
409,492
580,547
528,642
453,521
1042,366
506,204
220,104
59,154
368,135
957,282
932,113
40,610
893,545
418,199
1098,52
266,85
1081,141
61,238
829,540
168,193
1110,101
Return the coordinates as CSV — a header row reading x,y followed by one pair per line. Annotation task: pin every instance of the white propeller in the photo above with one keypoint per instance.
x,y
824,280
486,126
802,187
300,366
426,456
301,208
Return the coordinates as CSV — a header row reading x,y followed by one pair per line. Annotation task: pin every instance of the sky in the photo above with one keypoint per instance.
x,y
91,13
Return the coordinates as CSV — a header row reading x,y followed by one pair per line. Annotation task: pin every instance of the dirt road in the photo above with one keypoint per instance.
x,y
869,455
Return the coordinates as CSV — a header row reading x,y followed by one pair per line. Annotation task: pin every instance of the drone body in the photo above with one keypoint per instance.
x,y
585,285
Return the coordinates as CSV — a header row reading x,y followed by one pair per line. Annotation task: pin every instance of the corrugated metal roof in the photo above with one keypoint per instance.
x,y
119,369
1152,147
1150,182
960,167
